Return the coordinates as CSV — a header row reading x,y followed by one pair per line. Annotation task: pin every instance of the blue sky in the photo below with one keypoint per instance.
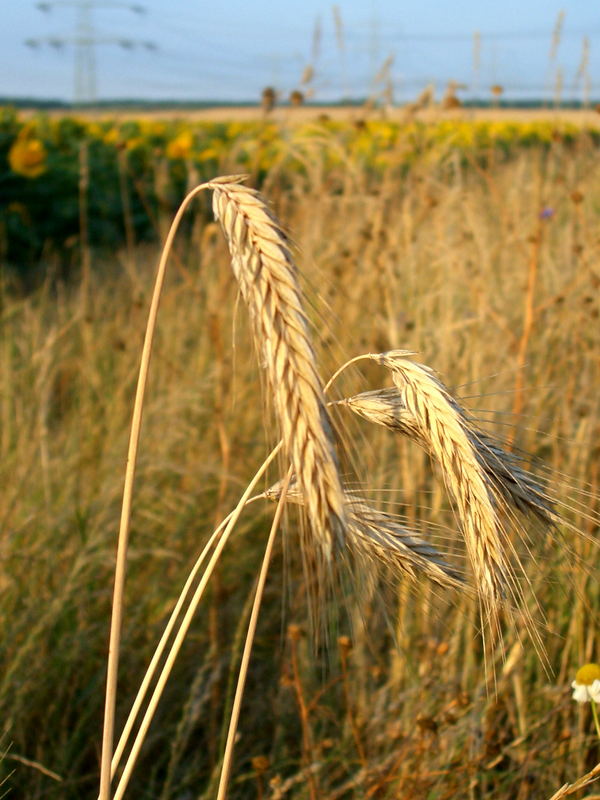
x,y
231,51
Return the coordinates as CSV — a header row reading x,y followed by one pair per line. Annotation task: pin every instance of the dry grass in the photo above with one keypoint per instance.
x,y
436,261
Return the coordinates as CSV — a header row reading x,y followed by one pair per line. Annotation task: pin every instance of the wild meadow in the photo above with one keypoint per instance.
x,y
474,246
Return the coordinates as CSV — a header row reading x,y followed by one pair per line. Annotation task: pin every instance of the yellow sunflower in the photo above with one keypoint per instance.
x,y
181,145
27,156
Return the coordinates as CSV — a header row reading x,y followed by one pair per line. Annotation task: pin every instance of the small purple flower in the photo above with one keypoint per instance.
x,y
546,213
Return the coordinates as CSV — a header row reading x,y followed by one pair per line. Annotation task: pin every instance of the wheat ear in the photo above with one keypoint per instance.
x,y
512,484
268,281
380,539
440,423
437,419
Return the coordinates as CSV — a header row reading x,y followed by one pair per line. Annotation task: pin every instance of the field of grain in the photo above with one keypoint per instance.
x,y
476,248
311,113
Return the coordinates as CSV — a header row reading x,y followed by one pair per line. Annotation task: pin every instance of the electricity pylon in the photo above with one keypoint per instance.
x,y
85,39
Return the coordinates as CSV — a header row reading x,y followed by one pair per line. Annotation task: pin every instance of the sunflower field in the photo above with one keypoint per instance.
x,y
113,181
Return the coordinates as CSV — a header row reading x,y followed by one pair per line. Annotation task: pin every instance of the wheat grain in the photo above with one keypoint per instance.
x,y
268,281
439,421
512,484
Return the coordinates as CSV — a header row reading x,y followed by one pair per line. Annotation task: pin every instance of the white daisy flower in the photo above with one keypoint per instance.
x,y
586,686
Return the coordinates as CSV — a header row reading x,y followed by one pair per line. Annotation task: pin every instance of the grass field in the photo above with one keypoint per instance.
x,y
488,270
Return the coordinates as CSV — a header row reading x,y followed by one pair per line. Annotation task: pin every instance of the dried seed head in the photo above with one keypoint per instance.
x,y
294,632
440,422
267,277
379,539
260,763
512,484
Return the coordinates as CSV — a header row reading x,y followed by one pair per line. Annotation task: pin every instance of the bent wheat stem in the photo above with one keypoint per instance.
x,y
243,671
160,648
123,537
184,627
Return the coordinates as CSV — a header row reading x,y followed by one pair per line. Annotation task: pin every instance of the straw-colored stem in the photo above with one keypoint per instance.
x,y
184,627
239,692
349,710
139,699
126,204
570,788
342,368
529,317
304,714
121,559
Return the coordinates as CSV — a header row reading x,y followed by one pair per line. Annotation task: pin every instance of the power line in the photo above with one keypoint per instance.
x,y
85,39
212,67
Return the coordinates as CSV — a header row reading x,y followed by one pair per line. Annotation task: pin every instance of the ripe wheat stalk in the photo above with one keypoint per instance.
x,y
267,277
484,482
268,283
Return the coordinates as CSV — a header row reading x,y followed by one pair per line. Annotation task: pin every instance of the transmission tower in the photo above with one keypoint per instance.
x,y
85,38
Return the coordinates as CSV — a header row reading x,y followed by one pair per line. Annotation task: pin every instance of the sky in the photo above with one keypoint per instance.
x,y
192,50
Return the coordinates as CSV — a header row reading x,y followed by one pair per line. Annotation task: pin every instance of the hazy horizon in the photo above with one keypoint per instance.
x,y
185,52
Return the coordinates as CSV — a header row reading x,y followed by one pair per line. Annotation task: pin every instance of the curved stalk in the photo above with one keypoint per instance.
x,y
183,629
121,559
